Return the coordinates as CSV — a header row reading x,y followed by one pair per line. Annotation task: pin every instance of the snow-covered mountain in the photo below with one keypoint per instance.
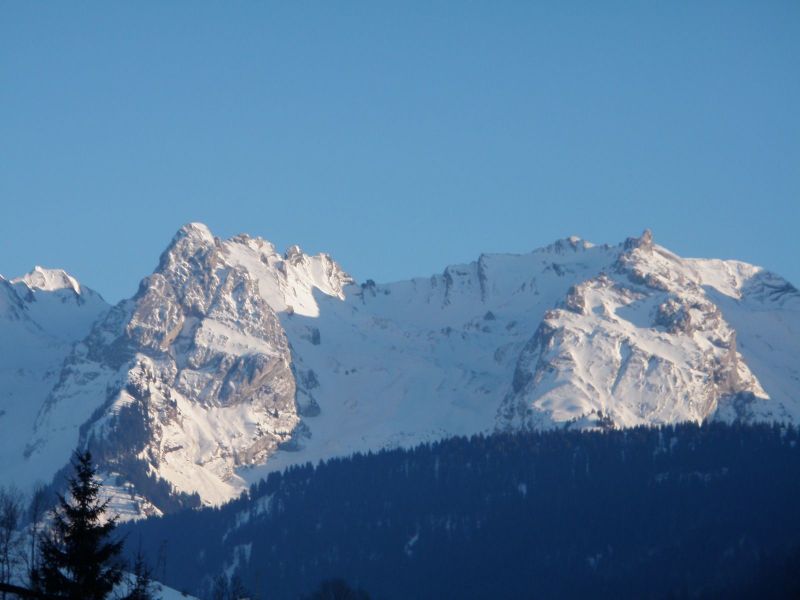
x,y
233,359
42,314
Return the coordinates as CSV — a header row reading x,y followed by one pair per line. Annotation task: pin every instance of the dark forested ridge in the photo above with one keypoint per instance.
x,y
684,511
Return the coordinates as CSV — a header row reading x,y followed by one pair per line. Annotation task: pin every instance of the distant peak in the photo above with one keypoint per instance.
x,y
195,230
644,241
573,243
188,240
49,280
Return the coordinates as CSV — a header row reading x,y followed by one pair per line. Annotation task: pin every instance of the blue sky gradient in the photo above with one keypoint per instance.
x,y
399,137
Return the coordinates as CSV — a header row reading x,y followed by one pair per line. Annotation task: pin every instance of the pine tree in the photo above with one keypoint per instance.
x,y
142,582
79,560
238,591
36,510
10,538
221,589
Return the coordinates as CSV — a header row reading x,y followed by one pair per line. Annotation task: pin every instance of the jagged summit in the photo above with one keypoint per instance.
x,y
234,359
189,240
293,252
643,241
578,242
195,230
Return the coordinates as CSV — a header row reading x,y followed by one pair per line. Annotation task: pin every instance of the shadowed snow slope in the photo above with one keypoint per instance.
x,y
233,359
41,316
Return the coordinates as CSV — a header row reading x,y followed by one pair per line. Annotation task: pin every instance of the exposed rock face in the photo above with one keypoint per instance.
x,y
234,359
642,343
197,374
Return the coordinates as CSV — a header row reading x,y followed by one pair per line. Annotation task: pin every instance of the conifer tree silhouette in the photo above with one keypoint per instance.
x,y
79,560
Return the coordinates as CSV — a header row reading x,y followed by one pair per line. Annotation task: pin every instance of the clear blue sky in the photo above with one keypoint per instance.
x,y
400,137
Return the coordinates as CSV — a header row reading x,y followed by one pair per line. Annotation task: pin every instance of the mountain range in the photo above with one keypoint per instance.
x,y
233,359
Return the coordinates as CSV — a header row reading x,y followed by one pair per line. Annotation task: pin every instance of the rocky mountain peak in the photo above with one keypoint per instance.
x,y
191,240
195,230
644,241
571,244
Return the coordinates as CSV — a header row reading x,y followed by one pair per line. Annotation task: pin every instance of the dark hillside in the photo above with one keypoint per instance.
x,y
683,511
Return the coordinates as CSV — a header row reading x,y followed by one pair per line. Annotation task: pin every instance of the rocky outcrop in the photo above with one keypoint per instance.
x,y
641,344
198,373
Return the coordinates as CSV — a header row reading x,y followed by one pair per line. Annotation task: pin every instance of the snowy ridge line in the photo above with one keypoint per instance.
x,y
234,360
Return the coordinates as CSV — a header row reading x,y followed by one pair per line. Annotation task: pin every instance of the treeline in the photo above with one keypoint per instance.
x,y
678,511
